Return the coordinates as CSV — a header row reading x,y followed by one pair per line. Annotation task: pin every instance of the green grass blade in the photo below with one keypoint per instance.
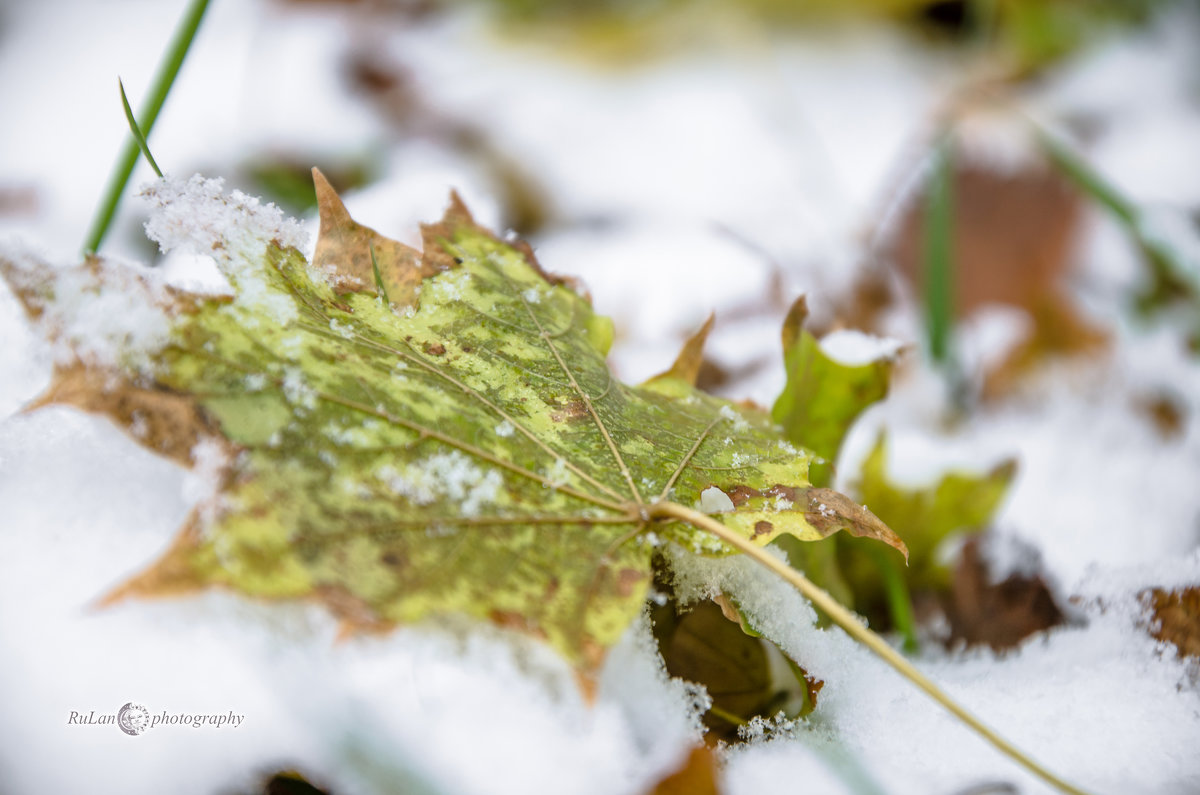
x,y
938,255
137,131
1088,180
899,600
379,286
163,80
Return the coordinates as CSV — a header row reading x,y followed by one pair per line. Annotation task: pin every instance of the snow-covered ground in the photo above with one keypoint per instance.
x,y
727,180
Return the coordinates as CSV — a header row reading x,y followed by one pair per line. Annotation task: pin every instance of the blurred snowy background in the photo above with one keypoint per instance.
x,y
682,158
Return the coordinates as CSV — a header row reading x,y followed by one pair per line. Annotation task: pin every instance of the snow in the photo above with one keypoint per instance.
x,y
109,316
451,476
195,214
713,500
678,187
852,347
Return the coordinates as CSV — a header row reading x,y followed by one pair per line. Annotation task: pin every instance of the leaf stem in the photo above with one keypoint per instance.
x,y
159,89
850,623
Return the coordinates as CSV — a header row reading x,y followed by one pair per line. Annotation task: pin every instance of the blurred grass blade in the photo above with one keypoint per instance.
x,y
1167,263
899,600
161,86
137,131
1088,180
938,256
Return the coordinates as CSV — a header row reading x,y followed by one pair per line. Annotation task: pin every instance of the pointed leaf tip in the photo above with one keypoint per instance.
x,y
687,364
793,324
434,237
359,259
457,211
330,208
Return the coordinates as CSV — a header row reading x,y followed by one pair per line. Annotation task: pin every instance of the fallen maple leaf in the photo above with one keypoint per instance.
x,y
454,446
414,434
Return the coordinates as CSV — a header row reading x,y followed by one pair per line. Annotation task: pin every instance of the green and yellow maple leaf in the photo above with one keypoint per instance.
x,y
409,434
404,435
957,502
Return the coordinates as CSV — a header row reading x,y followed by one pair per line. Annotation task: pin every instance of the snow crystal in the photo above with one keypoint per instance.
x,y
557,474
739,422
448,287
713,500
532,296
297,390
344,329
291,346
196,215
353,435
450,475
336,277
853,348
505,429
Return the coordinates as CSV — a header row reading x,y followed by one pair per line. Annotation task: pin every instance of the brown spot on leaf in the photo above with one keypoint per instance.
x,y
789,493
572,410
741,494
1177,618
762,527
435,349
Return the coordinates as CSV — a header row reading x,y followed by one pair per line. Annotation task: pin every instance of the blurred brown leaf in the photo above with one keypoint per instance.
x,y
1177,618
1001,614
1013,235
